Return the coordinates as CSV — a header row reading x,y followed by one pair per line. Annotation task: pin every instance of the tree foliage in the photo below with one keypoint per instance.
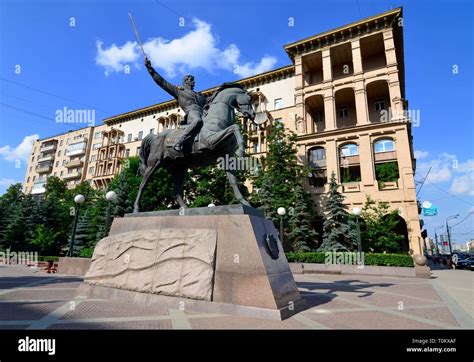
x,y
339,232
378,233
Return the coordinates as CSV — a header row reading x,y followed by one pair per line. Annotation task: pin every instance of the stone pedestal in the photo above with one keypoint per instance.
x,y
224,259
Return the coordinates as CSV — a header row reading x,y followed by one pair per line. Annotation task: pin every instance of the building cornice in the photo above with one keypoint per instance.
x,y
343,33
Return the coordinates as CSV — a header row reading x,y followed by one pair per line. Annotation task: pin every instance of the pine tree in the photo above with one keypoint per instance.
x,y
338,234
280,185
302,235
81,239
123,204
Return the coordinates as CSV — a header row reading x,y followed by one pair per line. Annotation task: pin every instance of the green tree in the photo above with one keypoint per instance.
x,y
379,223
339,235
43,238
280,185
302,235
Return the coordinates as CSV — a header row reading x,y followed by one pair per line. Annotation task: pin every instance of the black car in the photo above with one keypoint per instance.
x,y
463,261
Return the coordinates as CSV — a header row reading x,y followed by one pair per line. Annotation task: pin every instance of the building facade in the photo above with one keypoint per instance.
x,y
343,95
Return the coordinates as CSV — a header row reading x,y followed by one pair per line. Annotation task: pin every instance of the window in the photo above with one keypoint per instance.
x,y
343,112
316,154
57,163
138,150
93,158
62,172
140,135
54,174
61,143
278,103
91,170
384,146
129,137
350,149
28,180
34,178
349,164
127,152
64,162
31,168
59,153
96,146
152,131
67,141
317,163
97,135
379,104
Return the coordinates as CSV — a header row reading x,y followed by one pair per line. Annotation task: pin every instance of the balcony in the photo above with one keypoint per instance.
x,y
46,158
351,187
38,187
73,175
74,163
44,169
76,149
388,185
46,148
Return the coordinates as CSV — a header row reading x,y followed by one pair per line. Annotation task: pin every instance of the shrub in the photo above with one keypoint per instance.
x,y
399,260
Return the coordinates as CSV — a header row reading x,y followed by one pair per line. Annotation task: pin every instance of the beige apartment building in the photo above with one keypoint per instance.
x,y
343,95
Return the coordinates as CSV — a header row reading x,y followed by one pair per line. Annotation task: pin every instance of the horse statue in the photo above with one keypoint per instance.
x,y
218,137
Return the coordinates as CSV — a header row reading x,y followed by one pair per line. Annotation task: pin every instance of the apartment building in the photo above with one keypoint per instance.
x,y
343,95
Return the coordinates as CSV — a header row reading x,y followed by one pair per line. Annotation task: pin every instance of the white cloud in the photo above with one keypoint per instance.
x,y
463,184
21,152
7,182
447,168
441,168
114,58
421,154
196,49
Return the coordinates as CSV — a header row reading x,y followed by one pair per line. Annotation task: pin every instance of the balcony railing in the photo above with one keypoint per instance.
x,y
46,158
44,169
72,175
74,164
48,148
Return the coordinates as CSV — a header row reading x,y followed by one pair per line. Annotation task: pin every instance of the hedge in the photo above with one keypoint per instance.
x,y
399,260
48,258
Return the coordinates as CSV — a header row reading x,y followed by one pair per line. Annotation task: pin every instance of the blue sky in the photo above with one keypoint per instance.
x,y
81,66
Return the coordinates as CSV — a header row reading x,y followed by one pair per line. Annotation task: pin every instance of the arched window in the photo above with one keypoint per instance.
x,y
385,145
317,163
350,149
349,163
386,165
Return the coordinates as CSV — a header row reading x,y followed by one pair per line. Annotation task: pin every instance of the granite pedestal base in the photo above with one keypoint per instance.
x,y
218,260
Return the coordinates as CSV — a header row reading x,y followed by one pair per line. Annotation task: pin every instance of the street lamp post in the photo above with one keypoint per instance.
x,y
281,211
356,211
78,199
110,196
436,238
447,230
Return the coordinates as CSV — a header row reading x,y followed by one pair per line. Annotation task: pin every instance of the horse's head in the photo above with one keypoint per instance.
x,y
244,105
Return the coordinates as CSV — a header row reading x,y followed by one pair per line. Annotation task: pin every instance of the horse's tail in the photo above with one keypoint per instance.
x,y
144,153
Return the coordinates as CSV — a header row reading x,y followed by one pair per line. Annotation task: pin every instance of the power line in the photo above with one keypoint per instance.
x,y
38,115
471,213
450,194
50,94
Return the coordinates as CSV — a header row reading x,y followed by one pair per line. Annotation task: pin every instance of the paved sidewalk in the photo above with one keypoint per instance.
x,y
35,300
